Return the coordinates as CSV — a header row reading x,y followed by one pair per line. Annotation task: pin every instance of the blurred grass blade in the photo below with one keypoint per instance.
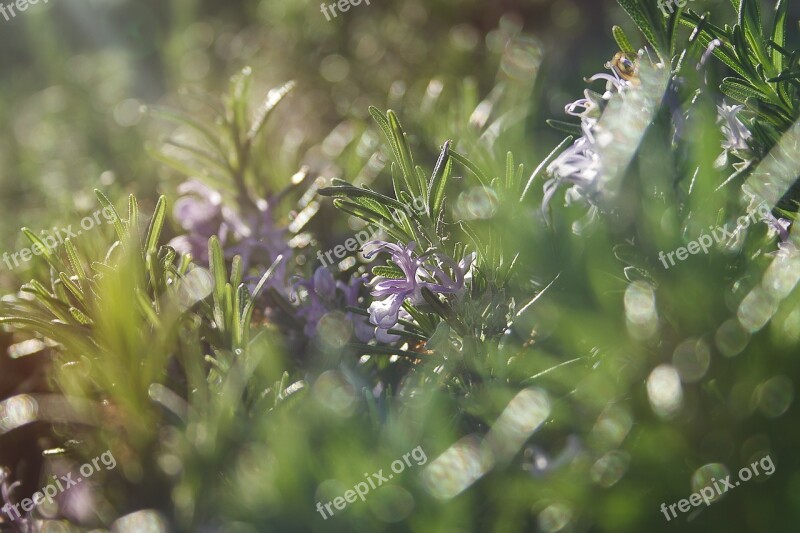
x,y
406,160
274,96
117,220
156,224
74,260
543,165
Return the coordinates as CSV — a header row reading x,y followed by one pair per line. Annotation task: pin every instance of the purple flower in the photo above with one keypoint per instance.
x,y
259,240
320,291
255,236
383,335
364,331
323,294
200,212
391,293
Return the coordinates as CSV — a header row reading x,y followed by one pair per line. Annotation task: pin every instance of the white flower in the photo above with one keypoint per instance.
x,y
736,133
580,165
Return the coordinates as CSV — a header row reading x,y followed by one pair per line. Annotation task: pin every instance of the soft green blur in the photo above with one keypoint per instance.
x,y
260,448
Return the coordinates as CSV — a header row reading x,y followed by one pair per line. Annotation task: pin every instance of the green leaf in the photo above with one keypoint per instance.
x,y
74,260
35,287
156,224
117,220
622,40
565,127
227,308
651,27
74,289
406,161
132,225
673,23
51,259
237,103
750,20
274,97
472,167
51,330
80,317
57,307
422,183
219,274
785,76
439,179
240,301
146,307
370,216
352,192
383,122
200,155
397,184
509,170
217,264
740,90
236,271
779,32
722,52
426,321
740,48
390,271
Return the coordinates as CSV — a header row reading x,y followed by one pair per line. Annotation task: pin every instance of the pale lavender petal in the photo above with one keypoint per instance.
x,y
384,313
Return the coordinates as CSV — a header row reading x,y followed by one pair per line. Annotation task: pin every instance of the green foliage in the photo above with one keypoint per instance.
x,y
538,392
224,151
766,79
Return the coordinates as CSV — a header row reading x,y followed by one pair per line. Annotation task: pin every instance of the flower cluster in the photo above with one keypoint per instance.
x,y
580,164
321,293
419,273
254,236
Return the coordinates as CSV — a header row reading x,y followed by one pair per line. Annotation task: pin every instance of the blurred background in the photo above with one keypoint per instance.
x,y
76,75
